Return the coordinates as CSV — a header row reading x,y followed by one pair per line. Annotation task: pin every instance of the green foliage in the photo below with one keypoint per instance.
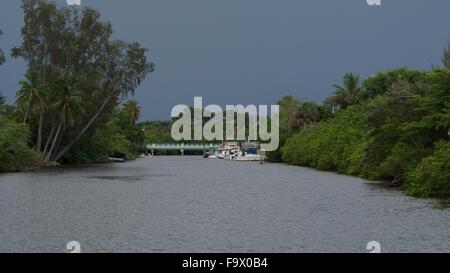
x,y
2,101
329,145
394,136
347,95
78,74
381,83
32,96
402,158
113,138
132,110
132,132
385,116
295,115
431,178
289,110
157,132
14,151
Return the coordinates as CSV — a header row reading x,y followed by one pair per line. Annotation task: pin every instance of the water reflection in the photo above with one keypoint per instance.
x,y
188,204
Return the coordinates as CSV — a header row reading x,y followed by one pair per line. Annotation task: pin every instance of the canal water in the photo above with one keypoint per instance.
x,y
190,204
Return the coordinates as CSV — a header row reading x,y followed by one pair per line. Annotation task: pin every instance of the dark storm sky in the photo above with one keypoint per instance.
x,y
256,51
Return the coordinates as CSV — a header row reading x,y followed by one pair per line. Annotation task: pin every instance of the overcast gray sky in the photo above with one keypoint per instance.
x,y
256,51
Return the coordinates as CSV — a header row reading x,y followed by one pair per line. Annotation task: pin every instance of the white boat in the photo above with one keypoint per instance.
x,y
213,153
250,157
251,151
230,150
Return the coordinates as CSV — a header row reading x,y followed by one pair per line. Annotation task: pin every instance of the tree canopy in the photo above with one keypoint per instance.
x,y
350,93
77,73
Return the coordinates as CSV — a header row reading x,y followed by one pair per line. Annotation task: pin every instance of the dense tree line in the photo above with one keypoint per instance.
x,y
119,137
14,150
71,107
15,154
393,126
295,115
77,77
157,132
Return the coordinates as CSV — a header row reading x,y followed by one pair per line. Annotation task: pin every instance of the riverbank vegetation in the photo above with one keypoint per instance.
x,y
72,107
393,126
15,153
69,105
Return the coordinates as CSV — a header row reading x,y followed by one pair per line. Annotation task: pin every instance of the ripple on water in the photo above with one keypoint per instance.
x,y
187,204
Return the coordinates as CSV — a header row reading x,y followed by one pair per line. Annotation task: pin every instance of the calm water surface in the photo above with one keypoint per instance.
x,y
188,204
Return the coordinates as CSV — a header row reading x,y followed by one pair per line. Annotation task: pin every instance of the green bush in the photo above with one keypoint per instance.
x,y
431,178
14,151
382,82
332,145
99,147
391,136
402,159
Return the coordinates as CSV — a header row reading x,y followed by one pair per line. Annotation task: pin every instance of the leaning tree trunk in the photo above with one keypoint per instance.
x,y
49,154
91,121
26,116
49,139
39,139
83,131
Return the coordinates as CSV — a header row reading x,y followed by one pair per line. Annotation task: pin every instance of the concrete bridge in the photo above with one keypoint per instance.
x,y
182,147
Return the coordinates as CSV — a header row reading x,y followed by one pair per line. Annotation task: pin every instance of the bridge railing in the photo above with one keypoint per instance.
x,y
180,146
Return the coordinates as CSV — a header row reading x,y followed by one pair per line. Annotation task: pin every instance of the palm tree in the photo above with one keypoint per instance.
x,y
2,100
348,94
68,105
2,55
132,110
308,113
446,57
289,113
32,97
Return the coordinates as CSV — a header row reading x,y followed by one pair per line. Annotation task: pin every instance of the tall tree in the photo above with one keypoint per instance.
x,y
132,110
68,105
2,100
73,42
348,94
308,113
32,99
2,55
295,114
131,68
289,113
2,60
446,57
